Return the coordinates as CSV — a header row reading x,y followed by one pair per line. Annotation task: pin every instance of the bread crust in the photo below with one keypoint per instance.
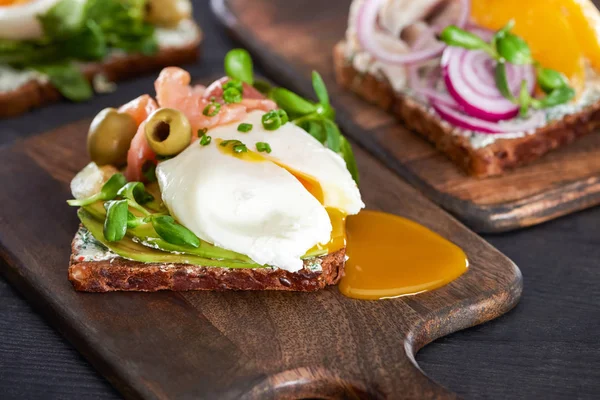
x,y
35,94
494,159
119,274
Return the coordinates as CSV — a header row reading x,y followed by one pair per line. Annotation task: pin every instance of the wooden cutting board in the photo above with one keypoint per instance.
x,y
238,344
292,38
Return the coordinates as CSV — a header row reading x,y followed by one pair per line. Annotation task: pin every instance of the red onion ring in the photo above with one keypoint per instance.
x,y
367,23
469,78
464,121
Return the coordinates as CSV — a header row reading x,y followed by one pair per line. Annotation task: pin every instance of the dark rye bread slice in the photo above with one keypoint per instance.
x,y
490,160
119,274
116,68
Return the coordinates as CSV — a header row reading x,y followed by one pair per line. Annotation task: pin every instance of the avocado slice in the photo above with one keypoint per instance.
x,y
146,235
131,250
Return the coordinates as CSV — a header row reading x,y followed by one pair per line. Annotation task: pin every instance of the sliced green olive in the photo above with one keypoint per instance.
x,y
167,12
110,136
168,131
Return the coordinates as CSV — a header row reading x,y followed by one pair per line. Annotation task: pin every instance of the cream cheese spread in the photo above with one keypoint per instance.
x,y
87,248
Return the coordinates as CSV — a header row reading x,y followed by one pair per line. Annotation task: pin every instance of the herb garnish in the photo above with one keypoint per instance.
x,y
244,127
236,145
263,147
318,119
76,30
232,95
202,132
508,47
274,119
211,109
120,198
205,140
108,191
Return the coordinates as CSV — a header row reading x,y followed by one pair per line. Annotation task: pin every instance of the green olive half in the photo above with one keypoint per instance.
x,y
167,12
168,131
110,136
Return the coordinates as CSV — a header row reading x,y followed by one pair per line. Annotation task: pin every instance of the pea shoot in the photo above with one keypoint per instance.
x,y
108,191
505,47
263,147
115,224
121,198
244,127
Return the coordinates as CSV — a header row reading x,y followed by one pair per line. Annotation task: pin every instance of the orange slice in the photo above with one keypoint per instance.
x,y
547,28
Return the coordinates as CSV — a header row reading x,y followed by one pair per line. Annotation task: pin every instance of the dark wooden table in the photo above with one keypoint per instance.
x,y
547,347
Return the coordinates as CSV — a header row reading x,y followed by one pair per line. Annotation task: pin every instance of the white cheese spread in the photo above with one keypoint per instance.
x,y
12,79
87,248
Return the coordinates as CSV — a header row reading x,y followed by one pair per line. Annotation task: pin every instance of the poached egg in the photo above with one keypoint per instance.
x,y
271,207
18,18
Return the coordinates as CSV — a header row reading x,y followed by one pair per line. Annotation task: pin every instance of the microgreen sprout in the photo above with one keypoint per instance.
x,y
108,191
508,47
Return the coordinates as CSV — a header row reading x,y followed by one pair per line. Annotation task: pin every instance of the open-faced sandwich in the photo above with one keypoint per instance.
x,y
492,83
237,185
69,48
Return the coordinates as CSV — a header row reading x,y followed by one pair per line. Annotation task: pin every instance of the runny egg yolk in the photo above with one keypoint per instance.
x,y
391,256
388,256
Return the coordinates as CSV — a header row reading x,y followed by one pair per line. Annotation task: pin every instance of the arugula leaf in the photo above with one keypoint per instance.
x,y
62,19
68,79
122,23
90,44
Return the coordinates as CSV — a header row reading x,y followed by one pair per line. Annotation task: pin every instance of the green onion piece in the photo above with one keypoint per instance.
x,y
235,84
244,127
202,132
271,120
263,147
232,95
225,143
211,109
240,148
205,140
283,116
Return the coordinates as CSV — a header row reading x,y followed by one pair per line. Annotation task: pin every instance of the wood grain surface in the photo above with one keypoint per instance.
x,y
292,38
236,344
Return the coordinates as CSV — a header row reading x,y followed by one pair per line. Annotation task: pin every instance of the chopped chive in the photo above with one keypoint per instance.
x,y
271,120
228,142
211,109
202,132
235,84
232,95
263,147
244,127
283,116
205,140
240,148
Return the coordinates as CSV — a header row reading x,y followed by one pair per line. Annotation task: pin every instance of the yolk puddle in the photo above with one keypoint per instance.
x,y
390,256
